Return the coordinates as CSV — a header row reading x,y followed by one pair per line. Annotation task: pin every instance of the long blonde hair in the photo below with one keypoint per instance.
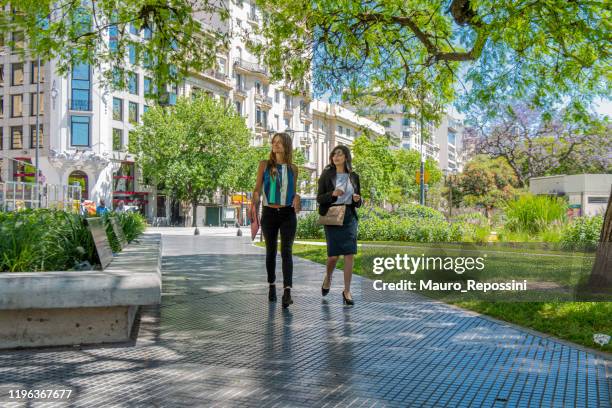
x,y
288,154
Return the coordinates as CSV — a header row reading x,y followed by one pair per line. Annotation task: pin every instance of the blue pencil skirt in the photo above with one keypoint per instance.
x,y
342,239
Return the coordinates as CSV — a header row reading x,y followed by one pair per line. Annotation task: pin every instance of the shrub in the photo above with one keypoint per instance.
x,y
474,218
47,239
582,233
307,227
41,239
534,214
419,211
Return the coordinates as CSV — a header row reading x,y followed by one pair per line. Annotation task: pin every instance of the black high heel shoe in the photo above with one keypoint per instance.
x,y
272,293
287,298
324,291
346,301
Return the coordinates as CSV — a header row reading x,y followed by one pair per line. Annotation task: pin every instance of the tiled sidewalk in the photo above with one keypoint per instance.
x,y
215,341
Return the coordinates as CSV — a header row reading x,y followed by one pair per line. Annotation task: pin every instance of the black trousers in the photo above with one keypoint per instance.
x,y
274,220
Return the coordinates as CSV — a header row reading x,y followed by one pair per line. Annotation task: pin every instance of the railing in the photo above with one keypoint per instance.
x,y
217,75
16,195
250,66
84,105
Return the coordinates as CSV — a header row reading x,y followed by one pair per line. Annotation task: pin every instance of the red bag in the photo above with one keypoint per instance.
x,y
254,218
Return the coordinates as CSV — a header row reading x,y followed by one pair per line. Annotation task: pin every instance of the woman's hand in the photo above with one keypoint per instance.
x,y
337,192
255,199
297,203
356,197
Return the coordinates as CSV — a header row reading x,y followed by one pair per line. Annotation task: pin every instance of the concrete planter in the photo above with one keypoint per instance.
x,y
80,307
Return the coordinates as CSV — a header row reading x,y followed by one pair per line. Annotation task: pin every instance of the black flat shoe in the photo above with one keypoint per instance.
x,y
272,293
287,298
346,301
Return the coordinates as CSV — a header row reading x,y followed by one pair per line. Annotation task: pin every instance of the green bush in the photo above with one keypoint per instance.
x,y
419,211
43,240
474,218
48,240
582,233
307,227
410,223
534,214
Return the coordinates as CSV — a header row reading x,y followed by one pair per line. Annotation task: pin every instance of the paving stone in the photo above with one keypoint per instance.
x,y
215,341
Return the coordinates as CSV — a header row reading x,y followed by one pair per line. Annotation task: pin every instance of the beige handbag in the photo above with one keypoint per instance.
x,y
334,216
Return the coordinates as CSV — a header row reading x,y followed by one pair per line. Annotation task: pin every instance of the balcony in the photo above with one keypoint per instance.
x,y
306,117
288,111
250,67
218,77
263,100
240,92
81,105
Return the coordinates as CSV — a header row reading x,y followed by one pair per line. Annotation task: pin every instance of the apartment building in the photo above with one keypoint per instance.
x,y
85,128
399,121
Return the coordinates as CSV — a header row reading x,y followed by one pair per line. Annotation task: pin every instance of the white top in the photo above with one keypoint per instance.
x,y
343,182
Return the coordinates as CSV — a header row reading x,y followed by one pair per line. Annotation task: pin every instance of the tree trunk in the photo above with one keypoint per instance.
x,y
601,275
194,205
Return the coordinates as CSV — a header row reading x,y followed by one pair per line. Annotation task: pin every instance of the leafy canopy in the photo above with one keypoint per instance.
x,y
191,148
410,50
180,36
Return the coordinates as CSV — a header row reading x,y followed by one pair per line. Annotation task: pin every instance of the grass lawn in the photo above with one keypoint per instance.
x,y
573,321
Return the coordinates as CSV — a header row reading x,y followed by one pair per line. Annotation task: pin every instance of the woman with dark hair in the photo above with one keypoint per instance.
x,y
276,185
339,185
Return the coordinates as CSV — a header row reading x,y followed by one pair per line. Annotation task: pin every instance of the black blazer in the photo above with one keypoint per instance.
x,y
327,186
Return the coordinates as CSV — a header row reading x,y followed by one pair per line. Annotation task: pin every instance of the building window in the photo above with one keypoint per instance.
x,y
452,138
239,85
133,83
41,104
133,112
16,105
147,87
276,122
286,123
79,130
340,129
81,86
1,106
406,122
1,141
288,104
117,139
277,96
145,109
34,73
238,107
113,35
33,136
221,62
16,137
1,75
17,74
347,131
132,53
133,29
258,87
117,109
18,40
147,33
261,118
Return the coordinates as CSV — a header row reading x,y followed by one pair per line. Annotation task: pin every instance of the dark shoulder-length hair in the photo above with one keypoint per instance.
x,y
348,164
